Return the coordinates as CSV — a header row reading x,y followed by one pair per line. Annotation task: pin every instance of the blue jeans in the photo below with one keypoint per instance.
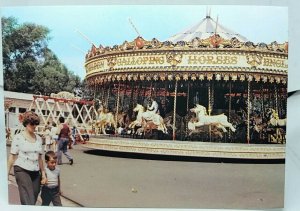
x,y
63,148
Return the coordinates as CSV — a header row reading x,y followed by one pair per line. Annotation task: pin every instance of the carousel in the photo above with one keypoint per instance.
x,y
207,91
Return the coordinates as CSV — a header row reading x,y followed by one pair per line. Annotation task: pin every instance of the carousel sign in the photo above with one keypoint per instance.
x,y
186,60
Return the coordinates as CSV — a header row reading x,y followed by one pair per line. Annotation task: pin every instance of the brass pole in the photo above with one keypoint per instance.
x,y
108,96
117,109
230,99
276,98
248,114
262,96
174,112
187,107
209,108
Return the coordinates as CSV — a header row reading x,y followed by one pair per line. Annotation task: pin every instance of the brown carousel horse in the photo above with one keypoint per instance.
x,y
121,119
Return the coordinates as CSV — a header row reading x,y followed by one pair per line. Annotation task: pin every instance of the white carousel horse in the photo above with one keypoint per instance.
x,y
104,118
138,122
221,121
193,130
147,116
275,121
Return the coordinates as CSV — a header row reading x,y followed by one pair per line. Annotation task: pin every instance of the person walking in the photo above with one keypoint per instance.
x,y
74,132
51,189
26,158
54,136
48,138
63,132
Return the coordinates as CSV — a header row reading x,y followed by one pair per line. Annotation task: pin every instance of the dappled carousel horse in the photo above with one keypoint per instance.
x,y
168,120
104,119
147,117
220,121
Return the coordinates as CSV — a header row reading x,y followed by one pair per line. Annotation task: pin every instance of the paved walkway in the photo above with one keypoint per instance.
x,y
13,195
101,179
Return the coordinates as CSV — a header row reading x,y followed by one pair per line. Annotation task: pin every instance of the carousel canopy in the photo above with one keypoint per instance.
x,y
204,29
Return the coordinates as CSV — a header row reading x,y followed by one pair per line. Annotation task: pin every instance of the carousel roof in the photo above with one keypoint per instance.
x,y
205,29
206,51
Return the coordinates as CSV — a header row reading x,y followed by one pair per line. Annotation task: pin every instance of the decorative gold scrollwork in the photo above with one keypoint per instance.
x,y
111,62
254,60
174,59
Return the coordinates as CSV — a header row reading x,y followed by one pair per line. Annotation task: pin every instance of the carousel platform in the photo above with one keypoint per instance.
x,y
187,148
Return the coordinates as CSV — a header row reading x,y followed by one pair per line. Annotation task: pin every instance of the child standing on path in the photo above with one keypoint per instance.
x,y
51,190
54,136
48,139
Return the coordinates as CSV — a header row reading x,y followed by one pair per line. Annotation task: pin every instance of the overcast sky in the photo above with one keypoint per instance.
x,y
109,25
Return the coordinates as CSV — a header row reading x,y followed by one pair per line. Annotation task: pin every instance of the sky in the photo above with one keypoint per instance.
x,y
74,28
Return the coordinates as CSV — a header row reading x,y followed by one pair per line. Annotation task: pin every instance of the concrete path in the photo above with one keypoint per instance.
x,y
100,179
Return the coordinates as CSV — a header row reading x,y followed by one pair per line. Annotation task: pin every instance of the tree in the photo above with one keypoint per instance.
x,y
29,65
53,76
22,48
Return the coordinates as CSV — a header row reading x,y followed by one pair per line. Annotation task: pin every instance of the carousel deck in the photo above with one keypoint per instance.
x,y
187,148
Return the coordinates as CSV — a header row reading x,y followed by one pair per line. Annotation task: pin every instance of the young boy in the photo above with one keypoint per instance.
x,y
51,190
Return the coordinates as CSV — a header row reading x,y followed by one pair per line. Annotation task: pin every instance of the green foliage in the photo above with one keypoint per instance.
x,y
29,65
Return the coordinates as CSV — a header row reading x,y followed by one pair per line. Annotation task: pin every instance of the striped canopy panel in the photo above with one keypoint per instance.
x,y
204,29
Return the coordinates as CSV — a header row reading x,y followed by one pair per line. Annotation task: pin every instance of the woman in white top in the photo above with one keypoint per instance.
x,y
26,157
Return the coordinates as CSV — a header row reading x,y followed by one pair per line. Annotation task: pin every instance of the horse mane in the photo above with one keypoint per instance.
x,y
104,110
140,105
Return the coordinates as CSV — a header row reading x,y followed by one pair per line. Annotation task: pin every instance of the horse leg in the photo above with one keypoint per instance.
x,y
222,127
218,133
227,124
133,124
231,127
97,130
130,125
165,129
103,129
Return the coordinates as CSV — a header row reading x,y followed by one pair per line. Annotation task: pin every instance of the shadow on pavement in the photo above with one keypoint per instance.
x,y
181,158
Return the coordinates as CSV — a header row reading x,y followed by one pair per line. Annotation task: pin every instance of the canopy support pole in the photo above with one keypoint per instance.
x,y
174,112
117,109
248,113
